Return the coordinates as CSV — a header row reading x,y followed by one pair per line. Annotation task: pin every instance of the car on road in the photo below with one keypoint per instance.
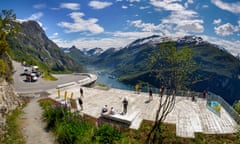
x,y
31,77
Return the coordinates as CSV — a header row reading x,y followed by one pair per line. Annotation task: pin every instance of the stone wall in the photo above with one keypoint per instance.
x,y
9,100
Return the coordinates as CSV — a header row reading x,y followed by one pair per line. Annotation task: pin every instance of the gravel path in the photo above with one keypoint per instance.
x,y
33,128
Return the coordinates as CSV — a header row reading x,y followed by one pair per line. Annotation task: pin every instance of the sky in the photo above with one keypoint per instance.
x,y
116,23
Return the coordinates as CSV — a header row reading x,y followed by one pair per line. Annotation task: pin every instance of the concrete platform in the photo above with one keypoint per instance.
x,y
189,117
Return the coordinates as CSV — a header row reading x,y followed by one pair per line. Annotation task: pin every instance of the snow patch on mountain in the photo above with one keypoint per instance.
x,y
156,39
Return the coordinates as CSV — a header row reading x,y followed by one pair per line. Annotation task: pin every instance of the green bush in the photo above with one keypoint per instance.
x,y
107,134
236,106
52,115
69,127
73,129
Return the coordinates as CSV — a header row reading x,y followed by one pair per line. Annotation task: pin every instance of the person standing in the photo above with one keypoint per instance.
x,y
125,104
204,94
162,90
137,88
150,94
81,92
80,103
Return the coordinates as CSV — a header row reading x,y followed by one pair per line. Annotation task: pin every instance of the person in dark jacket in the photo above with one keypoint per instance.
x,y
81,92
150,94
125,104
80,103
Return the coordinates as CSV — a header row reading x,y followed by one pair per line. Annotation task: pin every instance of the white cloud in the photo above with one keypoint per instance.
x,y
171,5
190,1
204,6
185,21
35,16
143,7
180,19
146,27
99,5
89,43
133,1
232,7
217,21
191,26
187,3
124,7
230,46
71,6
117,39
80,25
132,35
39,6
54,35
226,29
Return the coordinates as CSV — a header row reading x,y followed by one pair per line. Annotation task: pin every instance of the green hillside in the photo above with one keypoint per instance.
x,y
33,46
217,70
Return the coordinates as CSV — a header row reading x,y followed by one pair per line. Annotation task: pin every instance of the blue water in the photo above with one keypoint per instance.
x,y
111,81
106,78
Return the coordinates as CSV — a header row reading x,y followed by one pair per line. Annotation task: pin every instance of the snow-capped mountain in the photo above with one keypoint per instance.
x,y
93,51
85,51
156,39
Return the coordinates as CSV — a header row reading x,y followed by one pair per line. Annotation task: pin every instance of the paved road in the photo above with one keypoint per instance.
x,y
40,85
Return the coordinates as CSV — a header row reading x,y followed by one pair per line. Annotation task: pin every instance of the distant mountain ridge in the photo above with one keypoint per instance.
x,y
32,45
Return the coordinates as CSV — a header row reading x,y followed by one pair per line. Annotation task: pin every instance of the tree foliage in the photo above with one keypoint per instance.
x,y
171,66
6,29
236,106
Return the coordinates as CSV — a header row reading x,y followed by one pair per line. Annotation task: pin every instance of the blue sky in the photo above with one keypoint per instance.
x,y
116,23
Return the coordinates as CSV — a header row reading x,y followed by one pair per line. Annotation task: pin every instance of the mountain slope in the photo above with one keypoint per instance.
x,y
32,45
217,69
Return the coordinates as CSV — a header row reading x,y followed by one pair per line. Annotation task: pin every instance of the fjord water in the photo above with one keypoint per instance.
x,y
106,78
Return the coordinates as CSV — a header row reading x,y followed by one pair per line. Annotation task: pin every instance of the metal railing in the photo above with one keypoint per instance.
x,y
213,97
210,97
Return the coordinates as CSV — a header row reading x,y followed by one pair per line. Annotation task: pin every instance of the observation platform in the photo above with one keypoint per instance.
x,y
189,116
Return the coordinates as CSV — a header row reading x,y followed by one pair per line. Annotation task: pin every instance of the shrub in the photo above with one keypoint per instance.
x,y
236,106
107,134
52,115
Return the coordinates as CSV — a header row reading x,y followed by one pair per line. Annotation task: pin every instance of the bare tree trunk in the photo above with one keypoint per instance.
x,y
166,105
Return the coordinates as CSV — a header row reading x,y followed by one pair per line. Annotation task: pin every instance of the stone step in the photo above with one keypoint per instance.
x,y
136,123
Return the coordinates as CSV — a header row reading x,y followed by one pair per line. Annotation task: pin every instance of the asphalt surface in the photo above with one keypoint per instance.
x,y
40,85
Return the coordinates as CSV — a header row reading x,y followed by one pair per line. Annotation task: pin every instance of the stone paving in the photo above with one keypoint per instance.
x,y
189,116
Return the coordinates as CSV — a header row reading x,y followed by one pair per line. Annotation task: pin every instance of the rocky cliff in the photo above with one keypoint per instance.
x,y
9,100
32,45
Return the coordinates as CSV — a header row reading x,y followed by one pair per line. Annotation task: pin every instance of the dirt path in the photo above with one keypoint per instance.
x,y
33,128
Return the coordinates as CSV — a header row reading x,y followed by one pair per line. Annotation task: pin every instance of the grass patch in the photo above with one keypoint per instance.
x,y
14,135
102,86
49,77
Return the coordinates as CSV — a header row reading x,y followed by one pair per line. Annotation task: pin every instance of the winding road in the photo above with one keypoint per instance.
x,y
41,85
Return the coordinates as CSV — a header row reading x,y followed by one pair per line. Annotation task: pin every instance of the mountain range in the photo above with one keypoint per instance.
x,y
218,70
32,45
